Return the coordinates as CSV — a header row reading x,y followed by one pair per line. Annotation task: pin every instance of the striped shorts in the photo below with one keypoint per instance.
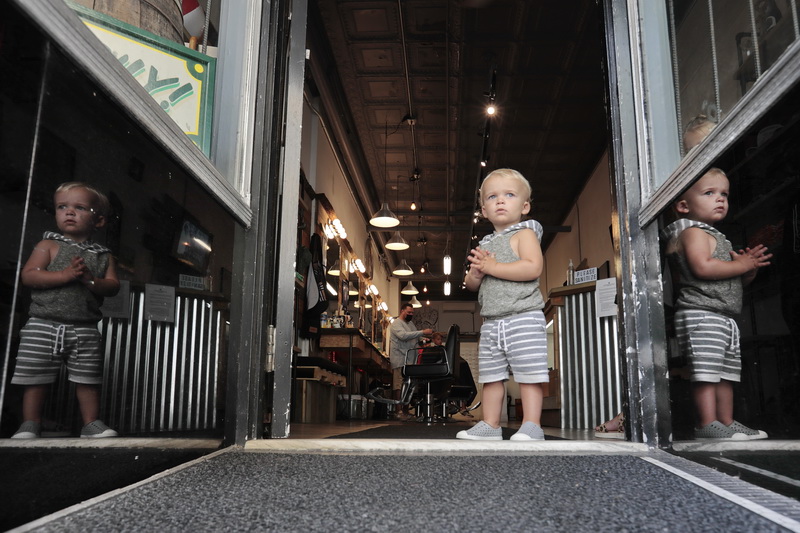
x,y
710,342
45,346
515,344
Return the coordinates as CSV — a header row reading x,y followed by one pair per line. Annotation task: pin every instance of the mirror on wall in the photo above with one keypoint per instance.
x,y
349,283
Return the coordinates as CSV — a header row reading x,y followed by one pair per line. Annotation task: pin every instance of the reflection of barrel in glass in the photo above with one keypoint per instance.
x,y
162,17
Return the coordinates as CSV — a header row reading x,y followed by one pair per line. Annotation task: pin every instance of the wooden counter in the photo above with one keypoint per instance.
x,y
354,350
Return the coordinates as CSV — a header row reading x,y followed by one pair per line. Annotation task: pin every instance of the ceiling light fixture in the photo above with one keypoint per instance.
x,y
335,269
384,218
447,265
414,302
402,269
409,289
447,288
397,242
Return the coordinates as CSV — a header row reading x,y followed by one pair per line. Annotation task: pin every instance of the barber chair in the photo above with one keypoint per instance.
x,y
433,376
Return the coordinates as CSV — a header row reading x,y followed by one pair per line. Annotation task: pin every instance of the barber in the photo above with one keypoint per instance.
x,y
403,335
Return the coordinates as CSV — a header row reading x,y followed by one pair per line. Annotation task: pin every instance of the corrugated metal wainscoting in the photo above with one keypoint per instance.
x,y
157,376
591,370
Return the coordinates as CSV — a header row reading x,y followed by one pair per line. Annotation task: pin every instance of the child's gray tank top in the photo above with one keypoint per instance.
x,y
722,296
500,297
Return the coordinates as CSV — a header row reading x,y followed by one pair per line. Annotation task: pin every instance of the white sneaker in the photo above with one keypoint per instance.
x,y
529,431
481,431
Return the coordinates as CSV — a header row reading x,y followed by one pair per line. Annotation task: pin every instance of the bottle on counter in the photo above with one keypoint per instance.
x,y
323,319
570,273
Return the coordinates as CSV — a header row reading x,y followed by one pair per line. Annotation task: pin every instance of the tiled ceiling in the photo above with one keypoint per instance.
x,y
435,61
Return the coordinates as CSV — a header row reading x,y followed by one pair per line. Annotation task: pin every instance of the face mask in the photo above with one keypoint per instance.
x,y
409,318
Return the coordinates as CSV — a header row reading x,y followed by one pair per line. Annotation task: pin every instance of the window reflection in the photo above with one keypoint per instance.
x,y
763,167
721,48
165,231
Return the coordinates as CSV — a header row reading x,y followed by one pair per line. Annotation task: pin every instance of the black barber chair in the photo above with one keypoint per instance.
x,y
432,376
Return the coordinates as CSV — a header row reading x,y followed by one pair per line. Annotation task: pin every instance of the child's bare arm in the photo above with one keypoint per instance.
x,y
698,248
529,265
108,285
35,274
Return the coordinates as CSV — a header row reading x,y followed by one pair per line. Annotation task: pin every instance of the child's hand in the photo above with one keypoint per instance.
x,y
760,258
759,255
751,259
77,269
481,262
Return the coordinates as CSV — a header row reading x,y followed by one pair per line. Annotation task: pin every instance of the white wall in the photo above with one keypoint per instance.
x,y
326,177
590,237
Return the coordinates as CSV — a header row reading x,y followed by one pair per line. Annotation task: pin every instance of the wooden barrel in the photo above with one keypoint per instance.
x,y
162,17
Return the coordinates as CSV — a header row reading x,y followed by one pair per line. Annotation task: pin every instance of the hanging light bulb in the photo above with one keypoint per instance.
x,y
409,289
447,265
422,269
397,242
335,270
425,288
447,288
427,302
414,302
413,205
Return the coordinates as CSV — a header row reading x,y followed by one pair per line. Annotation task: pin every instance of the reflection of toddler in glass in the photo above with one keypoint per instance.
x,y
710,278
696,130
68,276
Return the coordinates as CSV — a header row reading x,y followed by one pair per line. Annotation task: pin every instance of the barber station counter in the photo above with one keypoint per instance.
x,y
355,351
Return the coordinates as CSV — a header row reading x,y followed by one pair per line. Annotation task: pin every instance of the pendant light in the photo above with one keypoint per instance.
x,y
414,302
384,218
402,269
447,265
447,288
335,270
397,242
409,289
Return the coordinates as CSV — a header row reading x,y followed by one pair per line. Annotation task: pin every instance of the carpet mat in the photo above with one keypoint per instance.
x,y
256,491
420,430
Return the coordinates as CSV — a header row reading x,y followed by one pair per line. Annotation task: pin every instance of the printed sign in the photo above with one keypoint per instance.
x,y
159,303
606,297
191,282
178,78
582,276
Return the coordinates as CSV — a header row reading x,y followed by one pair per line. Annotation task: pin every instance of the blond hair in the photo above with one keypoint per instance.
x,y
102,206
696,130
508,173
